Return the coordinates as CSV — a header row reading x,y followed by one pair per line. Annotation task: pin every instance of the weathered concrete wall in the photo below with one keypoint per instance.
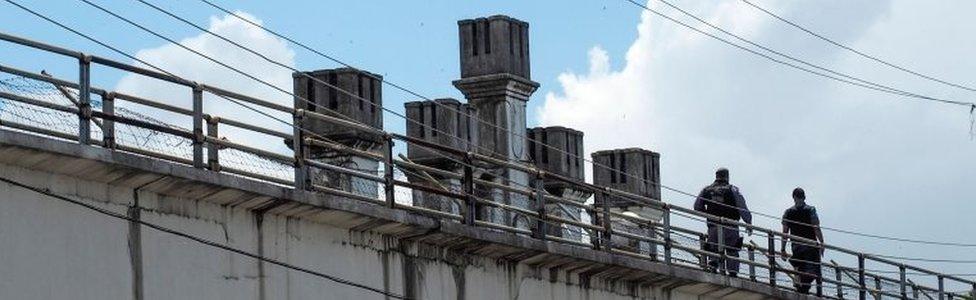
x,y
51,249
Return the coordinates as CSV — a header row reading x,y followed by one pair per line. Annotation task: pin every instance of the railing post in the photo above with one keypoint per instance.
x,y
863,288
298,146
819,281
198,127
108,126
902,281
941,287
877,287
720,233
470,213
667,233
771,244
213,150
388,186
752,259
540,207
840,287
595,236
607,224
84,100
914,291
973,293
703,244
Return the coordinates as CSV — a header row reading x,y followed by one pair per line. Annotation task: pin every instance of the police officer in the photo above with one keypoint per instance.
x,y
801,220
723,200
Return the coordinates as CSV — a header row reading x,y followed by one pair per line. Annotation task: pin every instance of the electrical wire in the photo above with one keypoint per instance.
x,y
107,45
400,87
856,82
855,51
189,49
200,240
815,66
209,58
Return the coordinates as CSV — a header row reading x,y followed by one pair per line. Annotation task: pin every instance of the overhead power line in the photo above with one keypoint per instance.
x,y
225,65
844,78
203,241
971,105
353,95
858,52
556,149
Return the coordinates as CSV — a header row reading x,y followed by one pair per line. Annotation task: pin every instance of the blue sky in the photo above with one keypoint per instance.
x,y
870,162
409,42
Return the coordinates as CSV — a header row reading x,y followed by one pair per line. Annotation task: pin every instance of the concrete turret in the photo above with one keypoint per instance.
x,y
358,97
558,150
445,122
636,171
495,81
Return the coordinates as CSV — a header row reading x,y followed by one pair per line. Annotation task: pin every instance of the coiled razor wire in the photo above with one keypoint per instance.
x,y
126,135
176,146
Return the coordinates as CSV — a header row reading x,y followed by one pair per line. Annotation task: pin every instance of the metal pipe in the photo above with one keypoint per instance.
x,y
428,189
540,206
343,148
213,153
428,145
343,170
35,102
388,185
902,283
752,258
341,193
108,126
143,124
153,104
254,128
256,176
340,122
44,131
84,100
40,46
942,293
263,103
429,211
198,137
860,277
414,166
607,224
284,159
837,274
470,216
141,71
301,154
771,258
666,216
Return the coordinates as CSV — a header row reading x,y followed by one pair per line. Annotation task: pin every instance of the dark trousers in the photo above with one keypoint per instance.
x,y
806,261
731,244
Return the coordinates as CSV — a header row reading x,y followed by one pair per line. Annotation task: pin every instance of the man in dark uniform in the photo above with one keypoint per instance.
x,y
723,200
801,220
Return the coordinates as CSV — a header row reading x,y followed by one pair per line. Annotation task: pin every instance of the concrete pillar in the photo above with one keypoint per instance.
x,y
454,129
495,80
357,96
636,171
558,150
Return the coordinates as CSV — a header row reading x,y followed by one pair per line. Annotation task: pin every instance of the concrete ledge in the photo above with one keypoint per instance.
x,y
115,167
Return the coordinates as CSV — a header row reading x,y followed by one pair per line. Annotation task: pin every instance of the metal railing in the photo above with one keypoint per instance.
x,y
599,226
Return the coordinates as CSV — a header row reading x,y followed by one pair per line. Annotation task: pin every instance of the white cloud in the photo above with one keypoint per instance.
x,y
869,161
188,65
